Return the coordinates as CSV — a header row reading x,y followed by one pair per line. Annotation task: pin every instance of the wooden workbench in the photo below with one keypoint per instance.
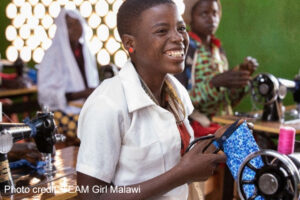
x,y
266,126
60,186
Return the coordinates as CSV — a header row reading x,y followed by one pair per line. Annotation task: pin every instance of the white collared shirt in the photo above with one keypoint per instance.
x,y
125,137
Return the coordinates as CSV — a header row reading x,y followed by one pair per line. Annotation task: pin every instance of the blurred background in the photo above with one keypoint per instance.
x,y
267,30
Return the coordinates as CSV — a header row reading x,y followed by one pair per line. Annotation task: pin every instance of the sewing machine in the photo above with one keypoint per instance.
x,y
278,178
41,128
269,91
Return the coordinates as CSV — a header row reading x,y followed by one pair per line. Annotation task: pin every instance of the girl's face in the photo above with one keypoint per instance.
x,y
205,18
161,41
74,29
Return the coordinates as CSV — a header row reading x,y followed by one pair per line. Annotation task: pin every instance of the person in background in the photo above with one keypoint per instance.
x,y
68,73
134,127
68,70
213,87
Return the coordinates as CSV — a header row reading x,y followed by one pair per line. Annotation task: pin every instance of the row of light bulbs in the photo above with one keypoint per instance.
x,y
33,27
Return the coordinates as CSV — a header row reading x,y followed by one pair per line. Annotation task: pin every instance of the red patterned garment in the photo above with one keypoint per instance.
x,y
207,99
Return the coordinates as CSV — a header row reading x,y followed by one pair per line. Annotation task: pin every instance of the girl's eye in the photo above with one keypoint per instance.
x,y
161,31
204,14
182,28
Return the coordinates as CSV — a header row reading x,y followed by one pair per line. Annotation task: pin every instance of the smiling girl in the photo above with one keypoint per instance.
x,y
134,128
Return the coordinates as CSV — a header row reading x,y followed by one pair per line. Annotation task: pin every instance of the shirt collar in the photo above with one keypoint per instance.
x,y
135,95
215,41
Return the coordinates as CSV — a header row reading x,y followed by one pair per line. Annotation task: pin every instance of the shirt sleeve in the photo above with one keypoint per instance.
x,y
99,130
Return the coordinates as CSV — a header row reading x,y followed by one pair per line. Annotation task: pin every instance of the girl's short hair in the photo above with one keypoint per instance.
x,y
130,11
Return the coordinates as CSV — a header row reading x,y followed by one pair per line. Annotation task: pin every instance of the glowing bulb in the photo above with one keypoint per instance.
x,y
116,35
33,2
110,20
103,32
33,42
54,9
86,9
46,2
93,1
10,33
18,43
62,2
112,46
18,21
19,2
94,21
110,1
78,2
11,11
39,11
117,5
47,21
38,55
120,58
26,10
103,57
25,31
33,22
25,54
70,5
95,45
11,53
101,8
40,32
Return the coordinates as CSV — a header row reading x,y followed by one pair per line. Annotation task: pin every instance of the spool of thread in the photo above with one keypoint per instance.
x,y
286,140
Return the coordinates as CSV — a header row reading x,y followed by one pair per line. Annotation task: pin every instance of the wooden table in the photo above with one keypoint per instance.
x,y
7,93
29,102
61,186
265,126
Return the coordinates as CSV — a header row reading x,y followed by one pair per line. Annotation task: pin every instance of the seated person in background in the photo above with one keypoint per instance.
x,y
16,79
108,71
213,87
134,128
68,70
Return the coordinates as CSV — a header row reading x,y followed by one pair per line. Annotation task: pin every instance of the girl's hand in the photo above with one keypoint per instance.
x,y
198,166
250,64
232,79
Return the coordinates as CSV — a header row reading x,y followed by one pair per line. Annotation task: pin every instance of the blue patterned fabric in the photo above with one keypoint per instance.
x,y
237,147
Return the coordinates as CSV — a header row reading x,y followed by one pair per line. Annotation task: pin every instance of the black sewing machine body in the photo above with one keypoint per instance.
x,y
41,128
269,91
278,178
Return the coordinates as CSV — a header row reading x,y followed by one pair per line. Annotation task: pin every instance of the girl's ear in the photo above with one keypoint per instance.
x,y
128,42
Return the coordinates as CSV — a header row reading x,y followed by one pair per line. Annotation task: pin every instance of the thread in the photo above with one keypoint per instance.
x,y
286,140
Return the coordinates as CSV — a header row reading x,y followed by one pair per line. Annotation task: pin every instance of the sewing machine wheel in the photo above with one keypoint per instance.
x,y
277,179
264,88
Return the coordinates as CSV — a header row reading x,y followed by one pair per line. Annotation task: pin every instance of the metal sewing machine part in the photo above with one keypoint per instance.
x,y
269,91
278,178
42,128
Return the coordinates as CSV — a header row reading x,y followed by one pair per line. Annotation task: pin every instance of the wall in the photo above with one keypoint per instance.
x,y
265,29
4,22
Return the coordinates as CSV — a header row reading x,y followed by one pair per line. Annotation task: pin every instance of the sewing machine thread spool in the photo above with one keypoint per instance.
x,y
286,140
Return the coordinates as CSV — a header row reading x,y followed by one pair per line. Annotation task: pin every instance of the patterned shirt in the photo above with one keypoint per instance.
x,y
205,65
